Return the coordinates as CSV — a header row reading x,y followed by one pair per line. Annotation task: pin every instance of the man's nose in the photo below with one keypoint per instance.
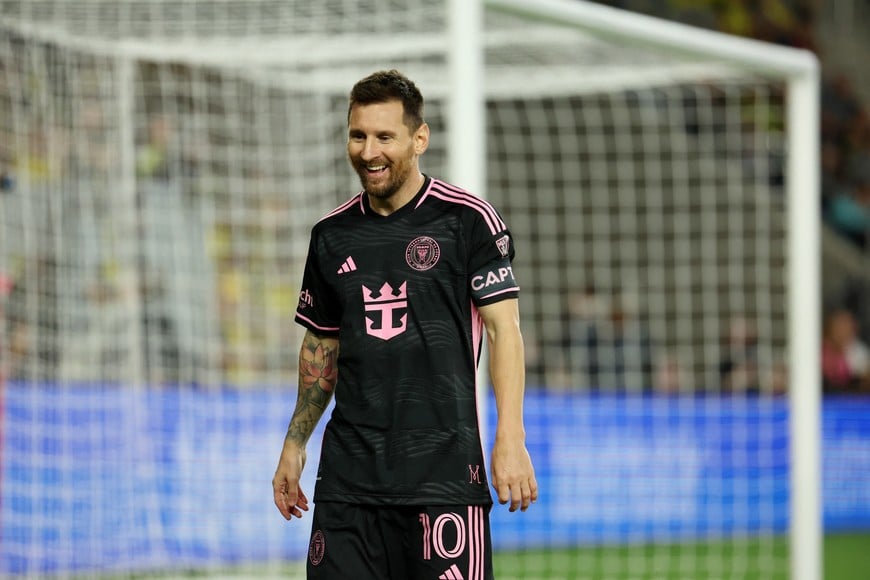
x,y
370,149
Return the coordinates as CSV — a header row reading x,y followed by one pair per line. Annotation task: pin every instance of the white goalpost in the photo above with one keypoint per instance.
x,y
162,164
800,71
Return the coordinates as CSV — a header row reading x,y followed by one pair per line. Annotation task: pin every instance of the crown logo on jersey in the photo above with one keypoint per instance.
x,y
386,307
385,294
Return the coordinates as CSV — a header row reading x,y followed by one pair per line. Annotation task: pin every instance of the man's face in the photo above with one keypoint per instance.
x,y
381,148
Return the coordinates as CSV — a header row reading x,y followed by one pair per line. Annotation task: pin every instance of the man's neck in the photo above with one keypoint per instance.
x,y
387,205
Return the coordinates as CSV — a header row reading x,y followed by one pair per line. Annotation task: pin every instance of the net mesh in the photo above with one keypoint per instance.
x,y
163,163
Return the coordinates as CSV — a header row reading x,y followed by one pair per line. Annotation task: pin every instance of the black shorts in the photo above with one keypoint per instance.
x,y
360,542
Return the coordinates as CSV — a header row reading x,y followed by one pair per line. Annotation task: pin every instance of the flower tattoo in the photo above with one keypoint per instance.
x,y
317,368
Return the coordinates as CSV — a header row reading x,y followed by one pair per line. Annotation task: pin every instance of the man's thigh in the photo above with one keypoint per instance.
x,y
401,543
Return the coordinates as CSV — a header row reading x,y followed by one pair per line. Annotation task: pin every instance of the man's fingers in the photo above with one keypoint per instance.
x,y
301,503
292,505
520,495
288,502
516,497
508,492
503,491
530,492
526,490
281,503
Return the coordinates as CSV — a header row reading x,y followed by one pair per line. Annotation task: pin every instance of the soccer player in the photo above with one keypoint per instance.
x,y
399,285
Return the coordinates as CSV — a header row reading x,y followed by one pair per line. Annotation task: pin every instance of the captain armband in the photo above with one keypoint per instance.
x,y
494,279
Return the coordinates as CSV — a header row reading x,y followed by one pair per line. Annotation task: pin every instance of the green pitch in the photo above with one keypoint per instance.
x,y
847,557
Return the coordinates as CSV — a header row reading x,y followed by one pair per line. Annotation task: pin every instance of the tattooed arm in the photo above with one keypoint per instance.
x,y
318,373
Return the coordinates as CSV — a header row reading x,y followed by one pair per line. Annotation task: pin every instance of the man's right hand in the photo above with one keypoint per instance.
x,y
288,495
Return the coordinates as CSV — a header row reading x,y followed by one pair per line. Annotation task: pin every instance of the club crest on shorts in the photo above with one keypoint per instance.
x,y
317,548
422,253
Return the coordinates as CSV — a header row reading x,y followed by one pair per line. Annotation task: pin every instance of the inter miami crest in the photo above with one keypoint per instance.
x,y
422,253
317,548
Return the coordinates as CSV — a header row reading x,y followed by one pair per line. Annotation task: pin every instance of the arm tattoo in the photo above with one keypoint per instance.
x,y
318,374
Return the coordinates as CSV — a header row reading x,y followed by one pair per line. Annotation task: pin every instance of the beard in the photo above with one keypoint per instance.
x,y
386,185
378,187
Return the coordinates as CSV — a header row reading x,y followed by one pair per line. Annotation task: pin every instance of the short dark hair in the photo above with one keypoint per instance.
x,y
390,85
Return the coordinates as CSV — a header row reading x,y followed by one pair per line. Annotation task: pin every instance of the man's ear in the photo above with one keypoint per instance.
x,y
421,139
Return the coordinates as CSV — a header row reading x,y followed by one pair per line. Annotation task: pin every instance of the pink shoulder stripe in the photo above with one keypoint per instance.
x,y
452,194
484,204
505,291
317,326
345,206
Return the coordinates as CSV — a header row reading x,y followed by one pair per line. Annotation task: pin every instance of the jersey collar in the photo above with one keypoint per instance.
x,y
407,208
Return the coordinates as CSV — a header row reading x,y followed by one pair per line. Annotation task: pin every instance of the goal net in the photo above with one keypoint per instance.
x,y
162,163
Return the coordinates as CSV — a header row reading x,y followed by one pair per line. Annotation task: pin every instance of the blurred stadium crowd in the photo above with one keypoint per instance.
x,y
845,158
595,328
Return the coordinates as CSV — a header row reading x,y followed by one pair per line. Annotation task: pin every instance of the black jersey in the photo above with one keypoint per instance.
x,y
401,293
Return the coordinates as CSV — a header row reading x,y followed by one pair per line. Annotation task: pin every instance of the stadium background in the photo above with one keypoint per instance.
x,y
104,477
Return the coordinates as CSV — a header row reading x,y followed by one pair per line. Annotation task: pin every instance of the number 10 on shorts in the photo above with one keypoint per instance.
x,y
450,535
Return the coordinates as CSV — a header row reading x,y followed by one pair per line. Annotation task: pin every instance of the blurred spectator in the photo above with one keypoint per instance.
x,y
586,311
845,118
833,173
738,369
840,107
545,366
91,159
166,155
671,377
33,322
153,159
39,161
845,357
774,380
848,209
159,335
607,345
6,285
786,23
7,181
845,160
853,296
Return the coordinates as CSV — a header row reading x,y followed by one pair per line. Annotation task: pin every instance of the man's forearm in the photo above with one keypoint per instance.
x,y
507,371
506,365
318,374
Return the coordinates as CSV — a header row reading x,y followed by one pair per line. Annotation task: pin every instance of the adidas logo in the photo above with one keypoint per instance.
x,y
452,573
347,266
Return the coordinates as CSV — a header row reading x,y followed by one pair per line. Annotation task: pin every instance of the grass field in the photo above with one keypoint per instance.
x,y
847,557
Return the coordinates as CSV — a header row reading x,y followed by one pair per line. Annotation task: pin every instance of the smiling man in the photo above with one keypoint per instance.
x,y
401,283
384,151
